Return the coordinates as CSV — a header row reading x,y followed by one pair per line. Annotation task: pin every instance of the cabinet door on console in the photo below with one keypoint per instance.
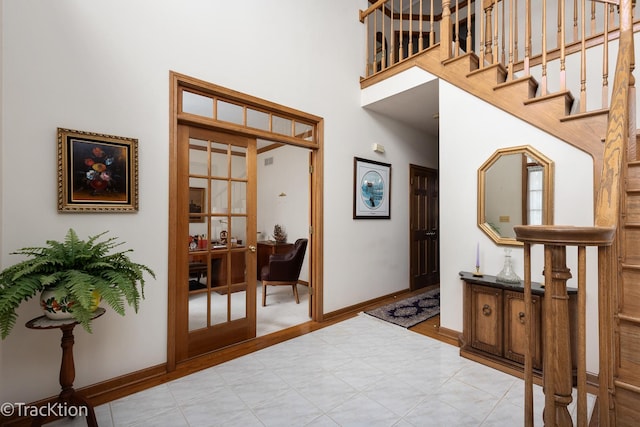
x,y
486,319
515,341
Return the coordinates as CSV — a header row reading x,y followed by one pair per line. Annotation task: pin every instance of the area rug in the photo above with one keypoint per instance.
x,y
410,311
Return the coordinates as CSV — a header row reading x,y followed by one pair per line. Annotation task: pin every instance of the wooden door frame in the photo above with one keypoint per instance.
x,y
178,82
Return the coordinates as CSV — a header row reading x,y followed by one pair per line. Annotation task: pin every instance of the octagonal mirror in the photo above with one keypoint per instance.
x,y
515,187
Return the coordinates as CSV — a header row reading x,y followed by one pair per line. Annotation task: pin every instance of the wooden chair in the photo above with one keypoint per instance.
x,y
284,269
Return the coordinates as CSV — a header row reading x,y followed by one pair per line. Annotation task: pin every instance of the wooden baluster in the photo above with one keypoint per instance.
x,y
543,80
511,41
401,36
530,344
503,59
371,63
432,33
557,364
575,20
548,386
527,38
410,48
482,43
488,32
593,17
583,61
469,47
456,43
633,153
559,38
420,37
605,57
563,54
392,55
445,31
515,32
496,51
582,336
385,50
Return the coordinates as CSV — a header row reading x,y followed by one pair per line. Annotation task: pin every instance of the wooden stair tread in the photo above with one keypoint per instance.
x,y
530,82
568,97
628,266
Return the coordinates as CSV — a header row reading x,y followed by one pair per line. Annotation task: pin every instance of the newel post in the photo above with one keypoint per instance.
x,y
557,379
557,376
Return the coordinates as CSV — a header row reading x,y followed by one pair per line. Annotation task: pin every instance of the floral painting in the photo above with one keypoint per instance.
x,y
96,172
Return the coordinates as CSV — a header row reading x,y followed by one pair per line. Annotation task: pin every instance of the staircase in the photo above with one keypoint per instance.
x,y
591,132
624,385
550,113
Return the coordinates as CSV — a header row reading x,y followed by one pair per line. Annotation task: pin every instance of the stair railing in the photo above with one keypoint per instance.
x,y
549,40
557,374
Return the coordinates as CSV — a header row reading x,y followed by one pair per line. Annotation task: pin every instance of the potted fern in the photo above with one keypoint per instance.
x,y
76,271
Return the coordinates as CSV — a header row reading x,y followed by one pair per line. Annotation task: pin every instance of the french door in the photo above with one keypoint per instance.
x,y
216,240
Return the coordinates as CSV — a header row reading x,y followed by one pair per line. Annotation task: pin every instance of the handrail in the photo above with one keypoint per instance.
x,y
608,200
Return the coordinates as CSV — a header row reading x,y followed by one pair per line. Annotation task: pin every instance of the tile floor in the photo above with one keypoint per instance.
x,y
360,372
280,312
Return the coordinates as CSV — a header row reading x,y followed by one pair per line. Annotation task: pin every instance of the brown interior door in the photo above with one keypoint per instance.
x,y
216,286
424,251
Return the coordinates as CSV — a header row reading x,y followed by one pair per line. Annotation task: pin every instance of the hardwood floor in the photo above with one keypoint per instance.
x,y
431,328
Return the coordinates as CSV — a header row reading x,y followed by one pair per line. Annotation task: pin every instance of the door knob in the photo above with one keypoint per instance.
x,y
252,248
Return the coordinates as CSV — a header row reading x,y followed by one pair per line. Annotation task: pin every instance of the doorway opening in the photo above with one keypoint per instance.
x,y
218,136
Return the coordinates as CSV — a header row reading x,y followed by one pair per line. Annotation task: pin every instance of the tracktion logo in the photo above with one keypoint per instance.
x,y
53,409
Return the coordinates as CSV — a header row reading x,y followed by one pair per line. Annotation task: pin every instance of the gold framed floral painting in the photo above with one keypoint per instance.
x,y
97,172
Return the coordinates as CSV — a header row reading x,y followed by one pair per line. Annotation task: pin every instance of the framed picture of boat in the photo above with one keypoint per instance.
x,y
371,189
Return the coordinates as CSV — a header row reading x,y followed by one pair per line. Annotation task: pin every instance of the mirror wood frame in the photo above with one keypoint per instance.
x,y
547,200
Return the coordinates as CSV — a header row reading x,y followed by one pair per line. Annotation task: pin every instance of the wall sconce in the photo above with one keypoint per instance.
x,y
282,194
378,148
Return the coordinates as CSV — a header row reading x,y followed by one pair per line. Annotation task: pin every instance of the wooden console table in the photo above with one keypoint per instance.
x,y
68,395
494,322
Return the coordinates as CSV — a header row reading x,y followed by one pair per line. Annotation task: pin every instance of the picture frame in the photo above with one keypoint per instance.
x,y
196,204
371,189
97,172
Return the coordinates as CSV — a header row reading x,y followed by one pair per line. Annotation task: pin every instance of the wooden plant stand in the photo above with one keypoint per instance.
x,y
68,396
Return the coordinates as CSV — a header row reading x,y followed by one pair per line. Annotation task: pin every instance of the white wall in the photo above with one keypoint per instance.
x,y
103,66
463,149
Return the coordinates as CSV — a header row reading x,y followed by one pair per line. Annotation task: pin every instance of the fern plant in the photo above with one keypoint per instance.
x,y
76,268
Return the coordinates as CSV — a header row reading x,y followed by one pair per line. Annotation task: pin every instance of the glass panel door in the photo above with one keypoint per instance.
x,y
219,240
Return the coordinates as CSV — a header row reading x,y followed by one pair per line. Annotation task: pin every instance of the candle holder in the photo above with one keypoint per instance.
x,y
477,272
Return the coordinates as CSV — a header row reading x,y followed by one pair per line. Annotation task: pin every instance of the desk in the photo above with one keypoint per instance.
x,y
68,395
268,247
218,259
